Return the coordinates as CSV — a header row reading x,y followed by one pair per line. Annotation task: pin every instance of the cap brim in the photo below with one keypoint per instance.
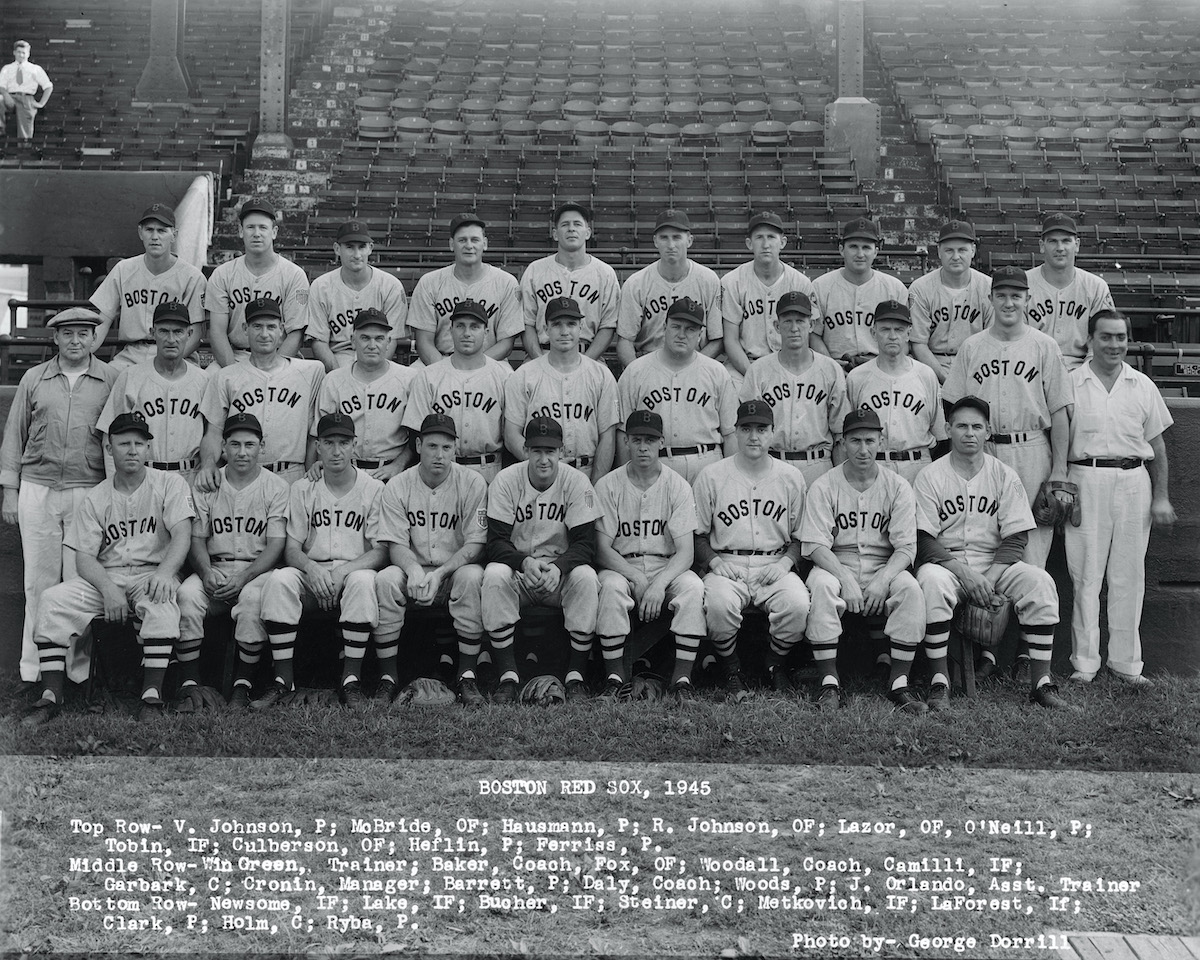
x,y
672,223
797,310
957,236
438,430
643,432
336,433
355,238
755,421
157,219
860,235
893,316
141,431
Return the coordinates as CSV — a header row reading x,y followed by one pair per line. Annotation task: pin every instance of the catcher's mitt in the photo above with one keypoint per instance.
x,y
544,691
427,692
645,686
195,698
1050,510
856,360
983,625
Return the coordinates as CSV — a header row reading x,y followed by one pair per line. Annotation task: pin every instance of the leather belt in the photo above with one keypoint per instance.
x,y
753,553
369,464
483,458
638,556
281,465
1116,463
900,455
688,451
191,464
1017,437
127,343
799,454
580,461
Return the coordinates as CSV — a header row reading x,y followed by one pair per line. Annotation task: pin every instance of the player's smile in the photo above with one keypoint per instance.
x,y
73,341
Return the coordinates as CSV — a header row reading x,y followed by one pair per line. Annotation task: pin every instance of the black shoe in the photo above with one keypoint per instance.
x,y
938,700
735,688
985,671
149,708
779,678
1020,670
830,697
41,713
1047,696
386,690
240,698
506,693
352,695
906,701
468,693
576,690
611,689
683,692
275,694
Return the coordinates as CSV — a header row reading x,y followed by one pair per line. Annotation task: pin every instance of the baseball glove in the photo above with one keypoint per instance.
x,y
856,360
645,686
426,692
1051,511
544,691
195,698
983,625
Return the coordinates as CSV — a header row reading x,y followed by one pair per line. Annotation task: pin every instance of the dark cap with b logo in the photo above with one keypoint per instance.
x,y
172,310
644,423
1009,277
470,308
371,317
130,423
263,307
561,307
794,302
685,308
160,212
241,421
892,310
335,425
439,423
756,412
864,418
543,432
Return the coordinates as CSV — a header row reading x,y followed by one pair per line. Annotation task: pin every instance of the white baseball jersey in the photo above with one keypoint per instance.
x,y
846,310
646,523
1063,312
971,517
233,285
130,293
809,407
749,303
698,404
474,398
333,528
434,522
1024,381
646,296
739,512
541,519
908,404
1117,423
283,399
583,401
134,529
438,291
594,286
377,408
171,408
943,317
332,307
862,528
236,523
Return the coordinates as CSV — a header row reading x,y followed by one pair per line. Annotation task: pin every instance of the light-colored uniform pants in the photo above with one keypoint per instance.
x,y
905,606
1030,588
504,591
391,589
195,605
1031,460
285,598
684,597
785,601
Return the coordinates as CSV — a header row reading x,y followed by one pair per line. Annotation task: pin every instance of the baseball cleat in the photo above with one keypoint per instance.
x,y
275,694
938,700
779,679
985,671
829,698
683,691
150,708
506,693
576,690
735,689
611,689
1047,696
240,698
1020,670
41,713
468,693
352,695
386,690
907,702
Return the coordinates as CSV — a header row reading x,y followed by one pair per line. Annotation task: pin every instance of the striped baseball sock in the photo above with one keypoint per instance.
x,y
156,657
283,648
613,649
187,653
468,656
686,649
937,647
504,653
355,637
1039,639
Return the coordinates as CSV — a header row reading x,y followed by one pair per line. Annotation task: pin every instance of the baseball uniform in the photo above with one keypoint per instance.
x,y
646,296
438,291
376,407
233,285
943,317
1063,312
474,398
843,311
332,307
594,286
909,407
283,399
698,405
1110,543
1025,383
583,401
129,295
749,304
809,408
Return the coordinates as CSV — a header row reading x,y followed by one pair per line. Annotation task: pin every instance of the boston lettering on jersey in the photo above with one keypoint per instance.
x,y
240,295
850,318
445,306
254,526
120,529
578,290
453,400
538,510
654,397
893,398
175,406
1044,309
758,308
340,321
135,298
657,305
563,411
968,503
741,509
372,401
955,312
433,519
776,392
641,528
1005,368
259,395
337,517
862,520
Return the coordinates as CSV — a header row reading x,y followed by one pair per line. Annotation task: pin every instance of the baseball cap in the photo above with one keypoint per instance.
x,y
353,231
543,432
439,423
241,421
685,308
673,218
1009,277
864,418
172,310
972,402
755,411
257,206
582,209
74,315
561,307
957,230
160,212
1059,221
263,307
862,228
335,424
644,423
465,219
470,308
130,423
371,317
764,219
794,302
892,310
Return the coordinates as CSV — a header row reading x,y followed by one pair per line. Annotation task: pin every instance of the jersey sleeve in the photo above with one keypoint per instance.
x,y
1015,514
419,405
277,511
516,403
610,300
681,521
298,518
474,508
704,493
394,526
193,295
421,315
107,298
115,404
372,506
839,401
714,309
529,300
581,501
727,404
317,319
216,296
626,391
327,402
510,320
85,535
395,304
799,496
202,523
629,312
731,301
177,500
955,385
295,298
214,405
606,503
902,526
1060,391
607,413
921,312
925,499
817,528
501,499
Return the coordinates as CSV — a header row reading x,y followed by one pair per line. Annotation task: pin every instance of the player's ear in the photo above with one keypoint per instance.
x,y
782,240
749,246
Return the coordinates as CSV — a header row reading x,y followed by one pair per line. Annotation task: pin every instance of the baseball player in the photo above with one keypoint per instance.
x,y
19,85
562,384
646,295
166,390
281,391
750,292
902,392
51,456
540,546
749,510
845,299
237,540
692,393
860,532
258,274
332,553
1119,461
1061,296
467,386
645,549
468,278
335,299
805,389
372,391
434,523
972,520
130,537
575,273
137,286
